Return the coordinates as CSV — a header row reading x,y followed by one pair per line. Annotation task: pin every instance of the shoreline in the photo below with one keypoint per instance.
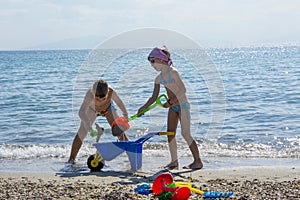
x,y
52,165
245,182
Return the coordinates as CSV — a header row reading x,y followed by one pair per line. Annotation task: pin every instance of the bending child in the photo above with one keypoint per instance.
x,y
98,101
179,108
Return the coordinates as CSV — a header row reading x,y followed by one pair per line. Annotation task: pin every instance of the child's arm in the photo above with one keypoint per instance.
x,y
89,97
152,99
115,97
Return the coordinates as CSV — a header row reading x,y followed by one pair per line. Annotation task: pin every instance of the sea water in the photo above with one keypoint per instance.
x,y
245,105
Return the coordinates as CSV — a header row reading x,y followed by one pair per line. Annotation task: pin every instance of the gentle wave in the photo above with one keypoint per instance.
x,y
8,151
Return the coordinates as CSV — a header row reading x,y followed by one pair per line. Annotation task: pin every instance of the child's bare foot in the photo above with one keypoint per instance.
x,y
194,165
172,165
71,161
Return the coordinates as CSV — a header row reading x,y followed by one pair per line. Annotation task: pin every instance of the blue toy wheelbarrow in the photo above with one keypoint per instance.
x,y
110,150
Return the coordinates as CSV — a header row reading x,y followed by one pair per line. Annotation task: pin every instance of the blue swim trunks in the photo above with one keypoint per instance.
x,y
185,106
110,108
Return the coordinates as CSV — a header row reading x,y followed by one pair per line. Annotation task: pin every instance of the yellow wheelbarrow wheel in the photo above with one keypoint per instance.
x,y
94,164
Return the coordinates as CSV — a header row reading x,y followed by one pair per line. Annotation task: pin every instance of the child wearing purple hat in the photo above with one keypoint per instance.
x,y
179,108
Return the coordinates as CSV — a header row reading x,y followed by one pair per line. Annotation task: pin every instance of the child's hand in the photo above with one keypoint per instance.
x,y
140,110
99,129
125,115
167,105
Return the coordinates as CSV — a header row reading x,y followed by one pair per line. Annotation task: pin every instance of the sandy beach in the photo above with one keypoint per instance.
x,y
245,182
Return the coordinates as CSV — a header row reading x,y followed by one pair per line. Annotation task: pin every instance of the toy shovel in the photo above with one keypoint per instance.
x,y
121,124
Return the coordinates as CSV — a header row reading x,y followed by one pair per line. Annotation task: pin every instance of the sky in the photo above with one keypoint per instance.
x,y
56,24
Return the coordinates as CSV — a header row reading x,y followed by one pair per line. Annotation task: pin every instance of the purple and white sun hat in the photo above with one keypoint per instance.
x,y
158,53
